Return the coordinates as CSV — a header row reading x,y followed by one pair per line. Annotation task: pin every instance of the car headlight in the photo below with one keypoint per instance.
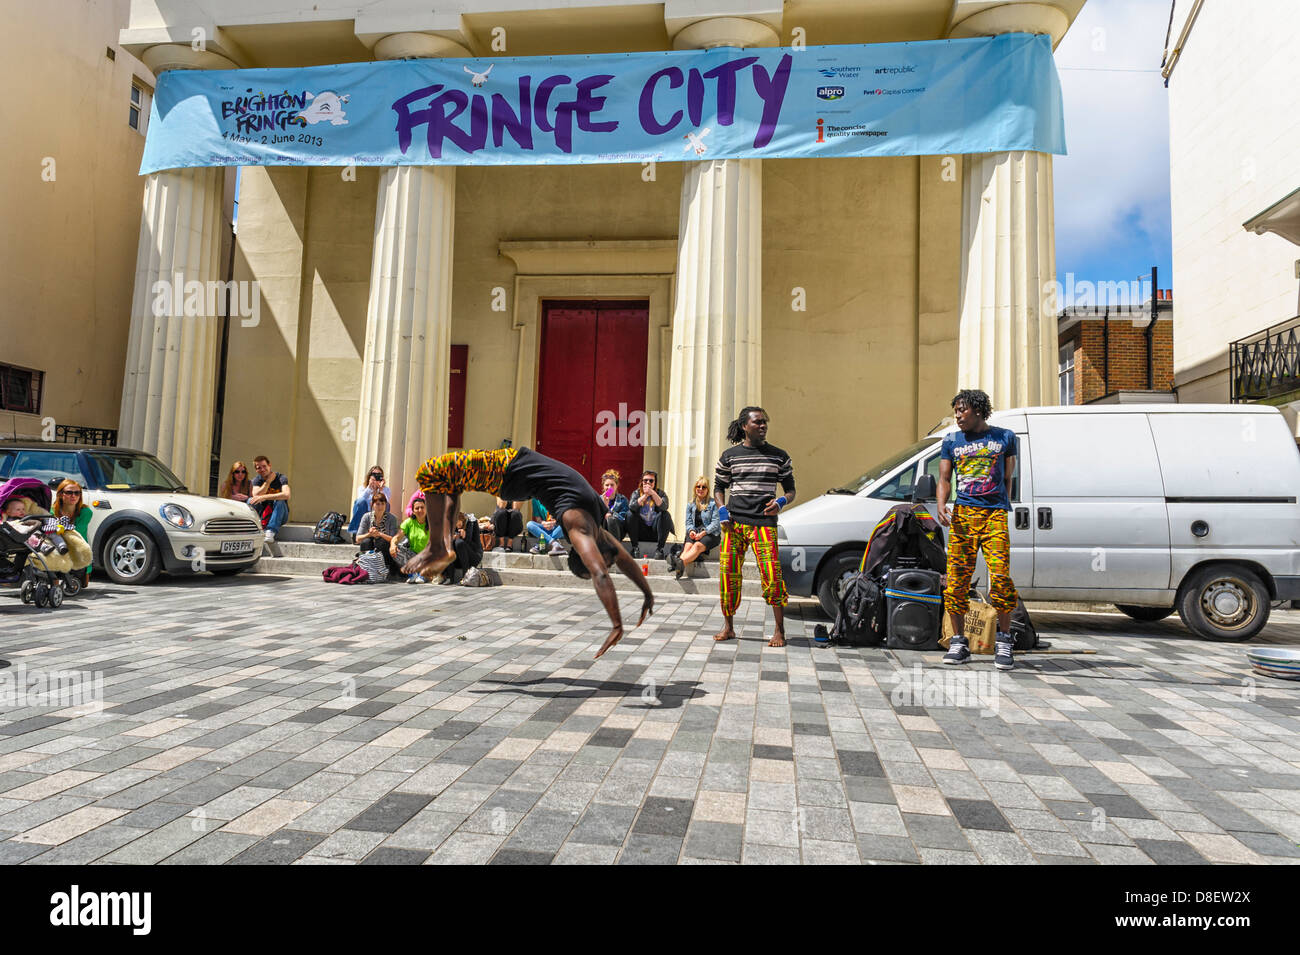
x,y
176,515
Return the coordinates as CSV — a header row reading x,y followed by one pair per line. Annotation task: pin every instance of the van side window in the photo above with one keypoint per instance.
x,y
898,487
932,469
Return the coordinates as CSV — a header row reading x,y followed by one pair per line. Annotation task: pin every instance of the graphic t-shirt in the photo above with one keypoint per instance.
x,y
979,466
274,486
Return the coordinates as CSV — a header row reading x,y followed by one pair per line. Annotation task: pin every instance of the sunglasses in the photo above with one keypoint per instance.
x,y
240,471
377,477
70,493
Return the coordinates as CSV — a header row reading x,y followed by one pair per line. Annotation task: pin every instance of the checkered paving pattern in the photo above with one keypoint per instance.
x,y
264,720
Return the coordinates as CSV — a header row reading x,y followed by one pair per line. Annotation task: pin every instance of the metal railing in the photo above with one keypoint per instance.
x,y
75,434
1266,364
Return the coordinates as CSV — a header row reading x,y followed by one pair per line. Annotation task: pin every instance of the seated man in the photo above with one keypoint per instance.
x,y
517,474
270,498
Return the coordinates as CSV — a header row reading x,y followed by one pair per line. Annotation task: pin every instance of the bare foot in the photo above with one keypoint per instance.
x,y
428,565
778,640
726,633
614,637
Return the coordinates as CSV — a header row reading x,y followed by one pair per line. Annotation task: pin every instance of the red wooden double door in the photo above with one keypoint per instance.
x,y
593,372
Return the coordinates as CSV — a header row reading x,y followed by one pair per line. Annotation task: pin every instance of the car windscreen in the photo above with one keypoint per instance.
x,y
877,471
118,471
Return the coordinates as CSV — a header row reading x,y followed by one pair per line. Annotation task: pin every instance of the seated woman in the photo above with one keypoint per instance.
x,y
507,524
237,486
365,496
615,503
703,529
469,552
549,531
412,537
73,515
377,529
648,517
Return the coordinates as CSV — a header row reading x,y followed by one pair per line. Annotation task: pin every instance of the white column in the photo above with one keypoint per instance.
x,y
1007,344
407,362
716,361
169,381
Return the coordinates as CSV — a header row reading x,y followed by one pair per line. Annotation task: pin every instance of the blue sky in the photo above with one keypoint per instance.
x,y
1112,188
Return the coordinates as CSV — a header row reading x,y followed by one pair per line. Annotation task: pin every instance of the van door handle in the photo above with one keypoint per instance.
x,y
1022,518
1044,518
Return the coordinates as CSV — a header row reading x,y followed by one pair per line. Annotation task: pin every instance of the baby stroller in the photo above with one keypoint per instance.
x,y
26,543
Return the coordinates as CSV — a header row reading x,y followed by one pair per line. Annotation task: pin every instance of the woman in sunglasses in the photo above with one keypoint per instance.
x,y
703,529
237,486
365,495
73,514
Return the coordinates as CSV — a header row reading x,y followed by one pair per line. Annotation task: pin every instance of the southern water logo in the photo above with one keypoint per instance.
x,y
830,92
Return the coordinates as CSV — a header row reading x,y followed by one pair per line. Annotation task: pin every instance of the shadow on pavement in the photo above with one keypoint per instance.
x,y
670,695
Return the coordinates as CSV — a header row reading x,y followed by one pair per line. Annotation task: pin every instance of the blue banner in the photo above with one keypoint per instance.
x,y
985,94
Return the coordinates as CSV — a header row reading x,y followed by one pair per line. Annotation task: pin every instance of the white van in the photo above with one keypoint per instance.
x,y
1153,508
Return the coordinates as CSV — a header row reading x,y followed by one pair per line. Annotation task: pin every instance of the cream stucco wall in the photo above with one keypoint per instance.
x,y
869,365
68,245
1234,135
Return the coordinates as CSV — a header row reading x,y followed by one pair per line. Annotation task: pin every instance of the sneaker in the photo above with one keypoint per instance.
x,y
636,553
557,550
471,578
444,581
270,537
536,549
1003,658
659,553
415,579
500,550
958,651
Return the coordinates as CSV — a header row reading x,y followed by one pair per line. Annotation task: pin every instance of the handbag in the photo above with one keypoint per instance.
x,y
373,563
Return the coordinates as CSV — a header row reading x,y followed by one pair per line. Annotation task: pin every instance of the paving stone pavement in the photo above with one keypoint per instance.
x,y
286,721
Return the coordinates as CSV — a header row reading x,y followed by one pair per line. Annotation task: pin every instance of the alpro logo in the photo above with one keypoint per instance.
x,y
830,92
131,909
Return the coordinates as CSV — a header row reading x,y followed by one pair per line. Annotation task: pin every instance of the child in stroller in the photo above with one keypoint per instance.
x,y
33,553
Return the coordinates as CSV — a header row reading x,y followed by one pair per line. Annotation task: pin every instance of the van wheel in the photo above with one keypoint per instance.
x,y
1224,602
830,582
130,556
1145,614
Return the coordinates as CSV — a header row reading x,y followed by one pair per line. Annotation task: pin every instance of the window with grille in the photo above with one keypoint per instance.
x,y
20,389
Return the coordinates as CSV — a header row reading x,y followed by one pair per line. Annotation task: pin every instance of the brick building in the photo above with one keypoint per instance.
x,y
1104,352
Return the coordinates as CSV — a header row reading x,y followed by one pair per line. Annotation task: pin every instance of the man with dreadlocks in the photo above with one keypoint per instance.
x,y
984,460
750,470
517,474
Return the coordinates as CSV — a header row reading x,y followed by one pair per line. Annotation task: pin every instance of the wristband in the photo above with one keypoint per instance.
x,y
724,515
781,501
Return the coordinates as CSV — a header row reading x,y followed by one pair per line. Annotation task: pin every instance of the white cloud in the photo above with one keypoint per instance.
x,y
1113,185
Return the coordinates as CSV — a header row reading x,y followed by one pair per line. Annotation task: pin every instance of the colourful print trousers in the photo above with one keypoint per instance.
x,y
735,542
976,529
459,471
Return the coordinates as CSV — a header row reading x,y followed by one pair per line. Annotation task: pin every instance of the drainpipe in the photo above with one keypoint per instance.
x,y
1150,332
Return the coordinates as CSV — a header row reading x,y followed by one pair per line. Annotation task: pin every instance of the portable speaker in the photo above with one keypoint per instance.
x,y
914,609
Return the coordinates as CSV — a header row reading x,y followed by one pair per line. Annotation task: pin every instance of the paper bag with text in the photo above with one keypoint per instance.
x,y
981,627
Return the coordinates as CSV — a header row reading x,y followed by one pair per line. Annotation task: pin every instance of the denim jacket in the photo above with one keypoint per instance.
x,y
711,523
619,508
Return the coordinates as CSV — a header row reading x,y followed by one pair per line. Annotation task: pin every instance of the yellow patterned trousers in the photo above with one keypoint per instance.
x,y
735,542
976,529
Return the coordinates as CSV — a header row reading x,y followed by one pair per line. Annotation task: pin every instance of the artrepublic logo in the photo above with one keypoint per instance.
x,y
896,69
830,92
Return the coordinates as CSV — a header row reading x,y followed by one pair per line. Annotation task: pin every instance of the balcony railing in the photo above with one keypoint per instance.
x,y
1266,364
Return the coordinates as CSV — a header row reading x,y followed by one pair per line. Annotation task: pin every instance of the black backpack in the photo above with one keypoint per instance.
x,y
860,619
329,529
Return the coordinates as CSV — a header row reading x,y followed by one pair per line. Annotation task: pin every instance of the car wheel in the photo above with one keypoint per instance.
x,y
1224,602
130,556
830,582
1145,614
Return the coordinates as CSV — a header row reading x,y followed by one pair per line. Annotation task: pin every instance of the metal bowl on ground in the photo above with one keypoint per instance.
x,y
1279,662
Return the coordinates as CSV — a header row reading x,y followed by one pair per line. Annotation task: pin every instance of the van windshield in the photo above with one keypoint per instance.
x,y
877,471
